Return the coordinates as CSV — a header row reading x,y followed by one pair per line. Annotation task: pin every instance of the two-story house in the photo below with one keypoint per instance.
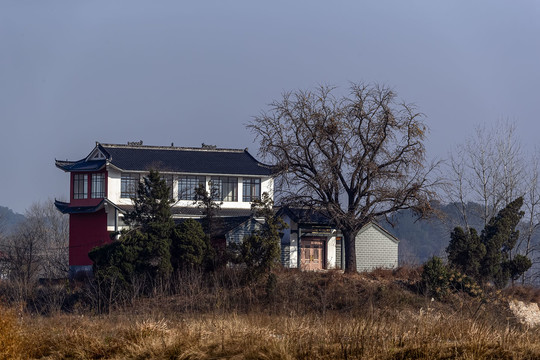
x,y
103,184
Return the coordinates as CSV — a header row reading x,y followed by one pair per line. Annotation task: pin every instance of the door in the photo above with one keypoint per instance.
x,y
312,254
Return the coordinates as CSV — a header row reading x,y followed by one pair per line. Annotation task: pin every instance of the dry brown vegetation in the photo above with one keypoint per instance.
x,y
303,316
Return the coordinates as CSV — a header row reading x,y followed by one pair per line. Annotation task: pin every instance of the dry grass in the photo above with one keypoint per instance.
x,y
308,316
390,335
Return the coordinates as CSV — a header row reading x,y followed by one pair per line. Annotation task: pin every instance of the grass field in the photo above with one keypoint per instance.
x,y
378,317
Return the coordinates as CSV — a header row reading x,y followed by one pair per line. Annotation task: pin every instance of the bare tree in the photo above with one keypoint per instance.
x,y
491,169
357,158
56,233
488,168
37,248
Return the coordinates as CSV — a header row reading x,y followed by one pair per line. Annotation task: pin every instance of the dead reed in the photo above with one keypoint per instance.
x,y
306,316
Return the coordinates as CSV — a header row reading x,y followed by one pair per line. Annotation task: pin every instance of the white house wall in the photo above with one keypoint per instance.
x,y
289,244
375,249
113,187
114,190
331,253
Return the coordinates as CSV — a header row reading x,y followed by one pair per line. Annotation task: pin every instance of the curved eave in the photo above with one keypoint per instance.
x,y
81,165
65,208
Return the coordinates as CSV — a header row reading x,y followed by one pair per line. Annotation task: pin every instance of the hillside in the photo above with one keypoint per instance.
x,y
9,220
327,315
422,239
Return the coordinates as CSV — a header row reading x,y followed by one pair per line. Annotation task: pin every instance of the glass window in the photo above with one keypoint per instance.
x,y
251,189
128,185
169,181
80,186
187,185
226,187
98,186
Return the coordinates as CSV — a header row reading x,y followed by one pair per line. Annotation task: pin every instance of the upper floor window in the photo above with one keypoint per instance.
x,y
226,187
187,185
128,185
251,189
169,181
98,186
80,186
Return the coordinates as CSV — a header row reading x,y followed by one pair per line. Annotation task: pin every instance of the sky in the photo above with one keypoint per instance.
x,y
76,72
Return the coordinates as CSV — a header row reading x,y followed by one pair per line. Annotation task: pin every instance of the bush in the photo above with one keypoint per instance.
x,y
435,277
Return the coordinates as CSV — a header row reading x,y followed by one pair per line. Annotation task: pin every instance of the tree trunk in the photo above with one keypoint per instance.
x,y
349,238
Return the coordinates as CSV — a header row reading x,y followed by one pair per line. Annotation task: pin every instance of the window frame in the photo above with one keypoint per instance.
x,y
187,185
253,187
80,192
98,186
129,179
169,181
221,183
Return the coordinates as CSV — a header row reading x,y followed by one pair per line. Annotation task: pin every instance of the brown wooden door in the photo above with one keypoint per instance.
x,y
312,254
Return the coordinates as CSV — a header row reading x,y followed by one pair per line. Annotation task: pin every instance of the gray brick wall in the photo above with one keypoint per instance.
x,y
375,249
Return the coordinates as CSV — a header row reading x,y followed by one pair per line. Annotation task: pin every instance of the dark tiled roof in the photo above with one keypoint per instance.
x,y
65,208
223,224
184,160
81,165
305,216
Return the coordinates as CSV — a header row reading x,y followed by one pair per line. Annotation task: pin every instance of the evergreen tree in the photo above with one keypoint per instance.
x,y
151,226
499,238
260,251
189,245
466,251
488,257
207,201
144,250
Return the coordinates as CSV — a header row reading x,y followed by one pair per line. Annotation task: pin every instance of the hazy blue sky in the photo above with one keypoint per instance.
x,y
76,72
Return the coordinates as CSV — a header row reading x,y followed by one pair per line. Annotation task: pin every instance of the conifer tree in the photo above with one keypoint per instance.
x,y
488,257
189,245
260,251
499,237
144,250
466,251
151,226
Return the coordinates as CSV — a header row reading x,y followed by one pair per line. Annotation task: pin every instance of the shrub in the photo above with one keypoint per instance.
x,y
435,277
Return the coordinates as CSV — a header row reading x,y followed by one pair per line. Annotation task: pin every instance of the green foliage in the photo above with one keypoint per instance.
x,y
488,257
435,277
517,266
499,237
189,245
144,250
113,262
438,280
153,258
466,251
207,201
260,251
152,207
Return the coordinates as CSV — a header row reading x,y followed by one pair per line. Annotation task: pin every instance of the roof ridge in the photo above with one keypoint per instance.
x,y
177,148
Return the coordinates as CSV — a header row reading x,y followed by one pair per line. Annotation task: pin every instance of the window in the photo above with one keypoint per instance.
x,y
226,187
128,185
251,190
80,186
98,186
187,185
169,181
